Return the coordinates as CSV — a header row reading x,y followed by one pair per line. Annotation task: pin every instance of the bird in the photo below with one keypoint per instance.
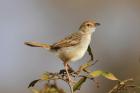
x,y
73,47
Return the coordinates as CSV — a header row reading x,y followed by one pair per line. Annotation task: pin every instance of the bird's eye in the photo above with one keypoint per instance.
x,y
89,25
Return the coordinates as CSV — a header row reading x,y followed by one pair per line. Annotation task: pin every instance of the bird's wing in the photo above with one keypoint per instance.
x,y
69,41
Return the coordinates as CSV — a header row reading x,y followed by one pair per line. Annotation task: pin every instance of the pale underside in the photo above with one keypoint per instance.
x,y
73,47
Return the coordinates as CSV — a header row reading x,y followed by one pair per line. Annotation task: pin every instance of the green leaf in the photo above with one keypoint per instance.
x,y
32,84
78,85
90,52
105,74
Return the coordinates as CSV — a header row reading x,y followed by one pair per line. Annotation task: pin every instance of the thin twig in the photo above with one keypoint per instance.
x,y
71,87
122,85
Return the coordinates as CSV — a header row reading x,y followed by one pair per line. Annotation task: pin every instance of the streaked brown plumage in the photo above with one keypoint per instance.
x,y
72,47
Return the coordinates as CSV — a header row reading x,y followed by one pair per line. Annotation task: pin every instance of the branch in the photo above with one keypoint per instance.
x,y
123,85
78,85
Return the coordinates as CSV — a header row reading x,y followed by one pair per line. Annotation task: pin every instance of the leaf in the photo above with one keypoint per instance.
x,y
78,85
45,76
85,66
109,75
105,74
32,84
35,90
89,63
90,52
96,73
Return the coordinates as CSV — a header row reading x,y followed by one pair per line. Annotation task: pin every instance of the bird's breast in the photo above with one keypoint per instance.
x,y
81,49
76,52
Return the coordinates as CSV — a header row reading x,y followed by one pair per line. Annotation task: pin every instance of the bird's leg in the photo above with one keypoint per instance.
x,y
66,68
70,68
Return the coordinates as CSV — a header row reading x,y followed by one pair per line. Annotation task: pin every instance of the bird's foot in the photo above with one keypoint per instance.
x,y
70,80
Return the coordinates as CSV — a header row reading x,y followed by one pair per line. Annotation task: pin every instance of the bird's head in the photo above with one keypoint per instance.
x,y
89,26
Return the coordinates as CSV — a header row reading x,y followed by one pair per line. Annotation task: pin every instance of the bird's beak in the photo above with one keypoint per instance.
x,y
97,24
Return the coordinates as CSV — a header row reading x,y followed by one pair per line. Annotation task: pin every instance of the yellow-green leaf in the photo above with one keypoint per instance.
x,y
45,76
96,73
105,74
35,90
109,75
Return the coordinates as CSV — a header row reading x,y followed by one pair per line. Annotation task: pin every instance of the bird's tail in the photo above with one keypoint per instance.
x,y
37,44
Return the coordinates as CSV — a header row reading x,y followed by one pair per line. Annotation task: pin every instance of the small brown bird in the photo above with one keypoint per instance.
x,y
72,47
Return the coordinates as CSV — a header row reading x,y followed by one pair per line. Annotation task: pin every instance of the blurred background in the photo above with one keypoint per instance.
x,y
116,42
